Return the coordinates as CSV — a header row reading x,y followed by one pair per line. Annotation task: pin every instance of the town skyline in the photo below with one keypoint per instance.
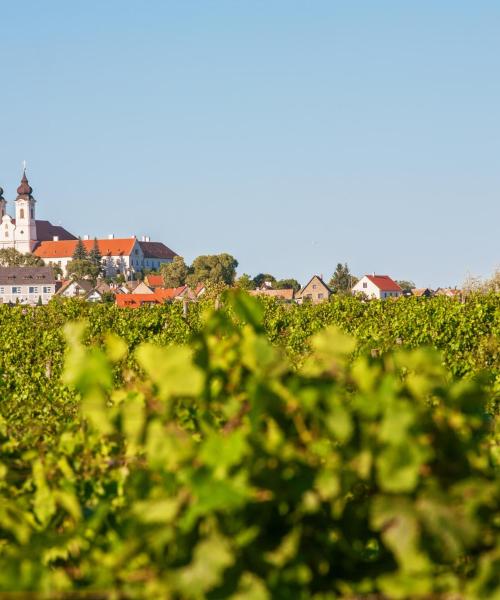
x,y
292,137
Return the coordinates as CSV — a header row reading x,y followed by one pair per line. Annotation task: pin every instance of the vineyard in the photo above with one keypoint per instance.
x,y
260,450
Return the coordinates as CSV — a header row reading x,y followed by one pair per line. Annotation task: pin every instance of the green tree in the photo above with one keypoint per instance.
x,y
95,255
261,278
83,269
342,280
287,284
10,257
80,253
405,285
174,273
214,268
245,282
108,298
58,272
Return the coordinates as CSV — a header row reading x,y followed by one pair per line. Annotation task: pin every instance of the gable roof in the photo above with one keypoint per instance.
x,y
299,293
384,283
156,250
46,231
84,284
66,248
142,288
26,275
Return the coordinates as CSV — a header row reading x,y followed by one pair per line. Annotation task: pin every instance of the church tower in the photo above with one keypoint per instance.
x,y
3,205
25,232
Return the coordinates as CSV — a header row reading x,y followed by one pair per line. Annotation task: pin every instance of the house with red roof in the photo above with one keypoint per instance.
x,y
377,286
119,255
137,300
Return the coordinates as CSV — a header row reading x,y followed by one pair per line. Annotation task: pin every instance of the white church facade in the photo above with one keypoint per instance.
x,y
24,232
55,245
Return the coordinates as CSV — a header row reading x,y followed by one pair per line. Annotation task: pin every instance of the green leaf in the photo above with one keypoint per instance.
x,y
211,557
171,369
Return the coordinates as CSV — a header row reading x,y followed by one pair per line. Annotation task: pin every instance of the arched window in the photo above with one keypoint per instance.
x,y
32,213
21,213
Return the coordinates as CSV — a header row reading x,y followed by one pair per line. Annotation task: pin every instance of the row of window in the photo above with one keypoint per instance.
x,y
31,290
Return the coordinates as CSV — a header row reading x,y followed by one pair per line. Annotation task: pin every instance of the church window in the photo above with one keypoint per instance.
x,y
32,213
21,213
6,233
21,232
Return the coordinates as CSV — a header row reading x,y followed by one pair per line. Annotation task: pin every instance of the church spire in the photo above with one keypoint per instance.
x,y
24,190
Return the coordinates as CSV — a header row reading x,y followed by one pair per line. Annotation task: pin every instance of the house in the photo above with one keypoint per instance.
x,y
377,286
75,288
314,291
286,294
421,292
27,285
449,292
96,293
137,300
119,255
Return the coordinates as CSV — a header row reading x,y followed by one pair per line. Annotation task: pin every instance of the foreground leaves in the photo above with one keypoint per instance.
x,y
222,470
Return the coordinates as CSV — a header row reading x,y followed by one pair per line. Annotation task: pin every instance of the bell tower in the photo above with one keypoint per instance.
x,y
25,232
3,205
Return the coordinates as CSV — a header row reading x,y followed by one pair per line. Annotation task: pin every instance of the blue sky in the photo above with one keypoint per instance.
x,y
293,135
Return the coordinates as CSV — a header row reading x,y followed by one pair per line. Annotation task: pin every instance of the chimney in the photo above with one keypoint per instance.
x,y
55,238
85,237
111,236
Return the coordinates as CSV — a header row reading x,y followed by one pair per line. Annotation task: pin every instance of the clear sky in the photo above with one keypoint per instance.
x,y
291,134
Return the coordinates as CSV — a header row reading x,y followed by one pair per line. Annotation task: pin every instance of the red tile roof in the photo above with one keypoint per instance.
x,y
384,283
136,300
171,293
66,248
154,280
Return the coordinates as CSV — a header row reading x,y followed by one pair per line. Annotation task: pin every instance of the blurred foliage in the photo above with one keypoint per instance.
x,y
198,458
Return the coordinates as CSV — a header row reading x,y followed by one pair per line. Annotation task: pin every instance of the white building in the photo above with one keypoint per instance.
x,y
55,245
27,285
25,232
377,286
119,255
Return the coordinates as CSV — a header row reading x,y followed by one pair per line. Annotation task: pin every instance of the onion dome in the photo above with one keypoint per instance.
x,y
24,189
1,193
